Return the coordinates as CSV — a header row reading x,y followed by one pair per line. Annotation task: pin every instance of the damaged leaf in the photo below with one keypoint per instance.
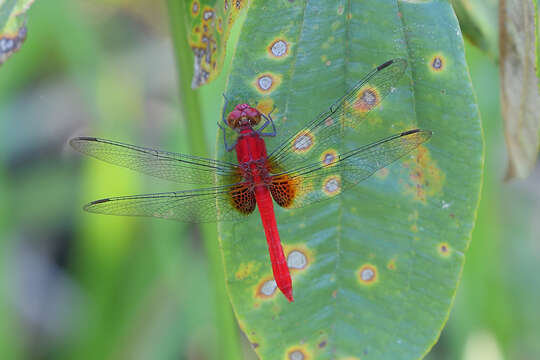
x,y
208,26
12,26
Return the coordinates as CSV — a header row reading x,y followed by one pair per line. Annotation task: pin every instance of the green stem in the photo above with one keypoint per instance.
x,y
227,341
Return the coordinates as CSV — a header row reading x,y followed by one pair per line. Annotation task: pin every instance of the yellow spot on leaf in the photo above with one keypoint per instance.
x,y
266,288
195,7
367,274
329,157
299,257
444,249
265,105
366,99
426,179
331,185
266,82
303,142
246,269
278,48
437,63
219,25
391,265
297,353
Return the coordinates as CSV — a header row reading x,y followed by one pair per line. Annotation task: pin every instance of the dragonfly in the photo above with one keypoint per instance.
x,y
306,167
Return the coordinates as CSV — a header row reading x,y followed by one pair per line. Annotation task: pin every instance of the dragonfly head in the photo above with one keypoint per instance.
x,y
243,115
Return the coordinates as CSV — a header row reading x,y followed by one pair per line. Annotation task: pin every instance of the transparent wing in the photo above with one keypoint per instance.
x,y
162,164
225,203
317,181
326,131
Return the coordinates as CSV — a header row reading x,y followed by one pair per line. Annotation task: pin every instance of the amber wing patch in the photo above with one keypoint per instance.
x,y
284,189
243,198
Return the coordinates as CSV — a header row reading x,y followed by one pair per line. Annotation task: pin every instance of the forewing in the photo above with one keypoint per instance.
x,y
325,132
162,164
225,203
316,181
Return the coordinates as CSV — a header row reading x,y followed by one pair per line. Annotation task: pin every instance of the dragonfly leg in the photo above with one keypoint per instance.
x,y
227,147
264,126
224,110
271,111
224,129
269,120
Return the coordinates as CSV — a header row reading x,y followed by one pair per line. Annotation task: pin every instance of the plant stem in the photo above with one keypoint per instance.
x,y
227,338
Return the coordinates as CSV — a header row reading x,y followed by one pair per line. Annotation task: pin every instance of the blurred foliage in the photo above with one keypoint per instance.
x,y
73,285
520,95
513,41
478,22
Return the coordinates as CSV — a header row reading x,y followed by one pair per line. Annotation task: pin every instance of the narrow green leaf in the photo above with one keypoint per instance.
x,y
12,26
520,95
228,341
478,21
407,227
537,37
537,34
208,25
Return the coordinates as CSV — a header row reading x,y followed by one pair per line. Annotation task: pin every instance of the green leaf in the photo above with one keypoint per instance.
x,y
410,224
12,26
478,21
520,95
208,25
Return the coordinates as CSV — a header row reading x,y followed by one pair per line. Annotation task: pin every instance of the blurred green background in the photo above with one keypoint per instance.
x,y
75,285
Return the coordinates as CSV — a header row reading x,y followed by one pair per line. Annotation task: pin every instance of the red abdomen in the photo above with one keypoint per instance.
x,y
251,152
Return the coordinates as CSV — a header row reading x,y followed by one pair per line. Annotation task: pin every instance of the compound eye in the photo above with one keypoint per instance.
x,y
251,112
233,117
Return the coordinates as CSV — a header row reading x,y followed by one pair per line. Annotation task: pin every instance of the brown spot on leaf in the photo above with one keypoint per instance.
x,y
437,63
444,249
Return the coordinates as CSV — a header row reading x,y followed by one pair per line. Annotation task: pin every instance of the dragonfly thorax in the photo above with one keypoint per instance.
x,y
243,116
255,172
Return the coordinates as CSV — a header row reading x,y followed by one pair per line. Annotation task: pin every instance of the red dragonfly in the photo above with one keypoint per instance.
x,y
307,167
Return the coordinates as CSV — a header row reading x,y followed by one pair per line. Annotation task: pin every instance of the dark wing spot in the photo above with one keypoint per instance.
x,y
243,199
408,132
283,190
386,64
